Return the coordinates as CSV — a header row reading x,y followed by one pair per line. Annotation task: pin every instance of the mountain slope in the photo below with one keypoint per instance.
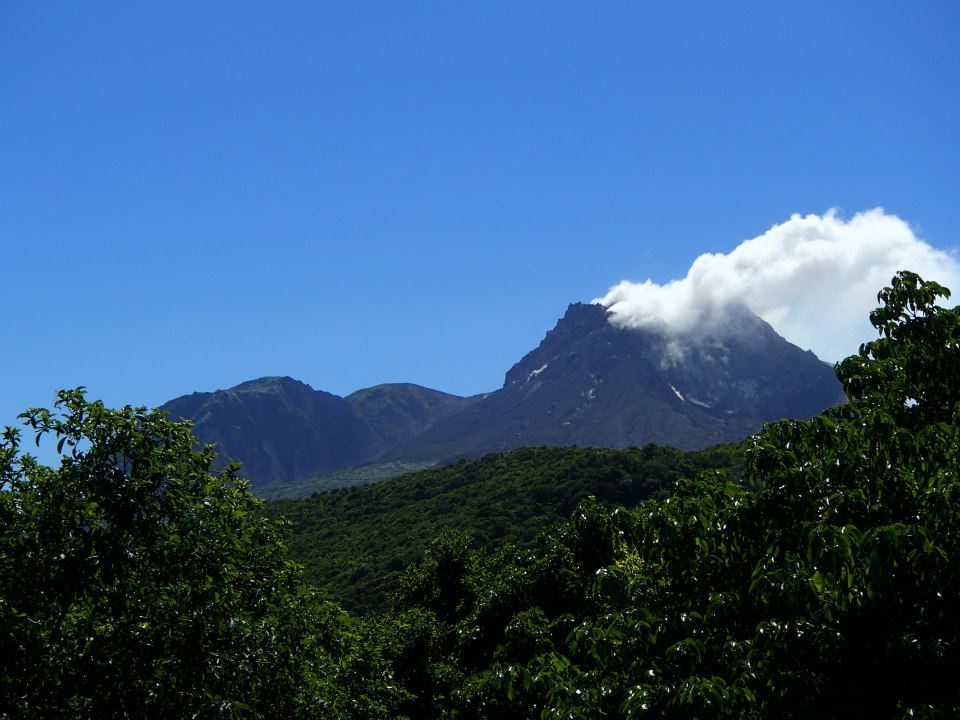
x,y
591,383
283,431
279,428
398,412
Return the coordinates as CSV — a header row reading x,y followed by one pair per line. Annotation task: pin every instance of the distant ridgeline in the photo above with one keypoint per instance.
x,y
588,383
283,431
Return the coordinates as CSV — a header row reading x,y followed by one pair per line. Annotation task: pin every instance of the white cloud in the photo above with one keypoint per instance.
x,y
814,279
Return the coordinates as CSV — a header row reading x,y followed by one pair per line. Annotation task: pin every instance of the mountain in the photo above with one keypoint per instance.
x,y
398,412
279,428
590,382
283,430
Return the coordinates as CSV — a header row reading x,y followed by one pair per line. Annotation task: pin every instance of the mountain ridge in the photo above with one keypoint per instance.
x,y
587,383
283,430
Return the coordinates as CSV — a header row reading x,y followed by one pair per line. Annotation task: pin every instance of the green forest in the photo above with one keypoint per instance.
x,y
810,571
355,543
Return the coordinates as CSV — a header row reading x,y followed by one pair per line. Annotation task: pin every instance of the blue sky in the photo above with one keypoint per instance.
x,y
196,194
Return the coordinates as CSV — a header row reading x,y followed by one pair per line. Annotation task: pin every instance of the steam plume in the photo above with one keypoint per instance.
x,y
814,279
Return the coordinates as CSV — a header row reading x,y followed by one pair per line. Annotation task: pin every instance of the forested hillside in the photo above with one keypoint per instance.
x,y
354,543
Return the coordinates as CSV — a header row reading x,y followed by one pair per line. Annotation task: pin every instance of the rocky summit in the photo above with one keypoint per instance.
x,y
592,383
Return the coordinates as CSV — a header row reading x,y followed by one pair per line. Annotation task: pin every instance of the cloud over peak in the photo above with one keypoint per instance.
x,y
814,278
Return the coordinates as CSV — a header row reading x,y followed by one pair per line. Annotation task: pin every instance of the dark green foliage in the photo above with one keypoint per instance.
x,y
822,581
354,543
135,583
823,585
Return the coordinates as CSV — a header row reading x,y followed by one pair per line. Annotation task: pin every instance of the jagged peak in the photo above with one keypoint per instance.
x,y
584,313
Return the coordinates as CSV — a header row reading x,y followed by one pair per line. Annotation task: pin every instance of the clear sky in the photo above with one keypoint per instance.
x,y
197,194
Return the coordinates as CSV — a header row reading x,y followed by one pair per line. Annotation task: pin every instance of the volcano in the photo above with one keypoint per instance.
x,y
589,383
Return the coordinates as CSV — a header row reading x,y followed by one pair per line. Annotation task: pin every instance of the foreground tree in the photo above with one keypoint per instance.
x,y
134,582
824,583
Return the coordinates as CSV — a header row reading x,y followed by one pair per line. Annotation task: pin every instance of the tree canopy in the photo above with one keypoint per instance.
x,y
135,582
